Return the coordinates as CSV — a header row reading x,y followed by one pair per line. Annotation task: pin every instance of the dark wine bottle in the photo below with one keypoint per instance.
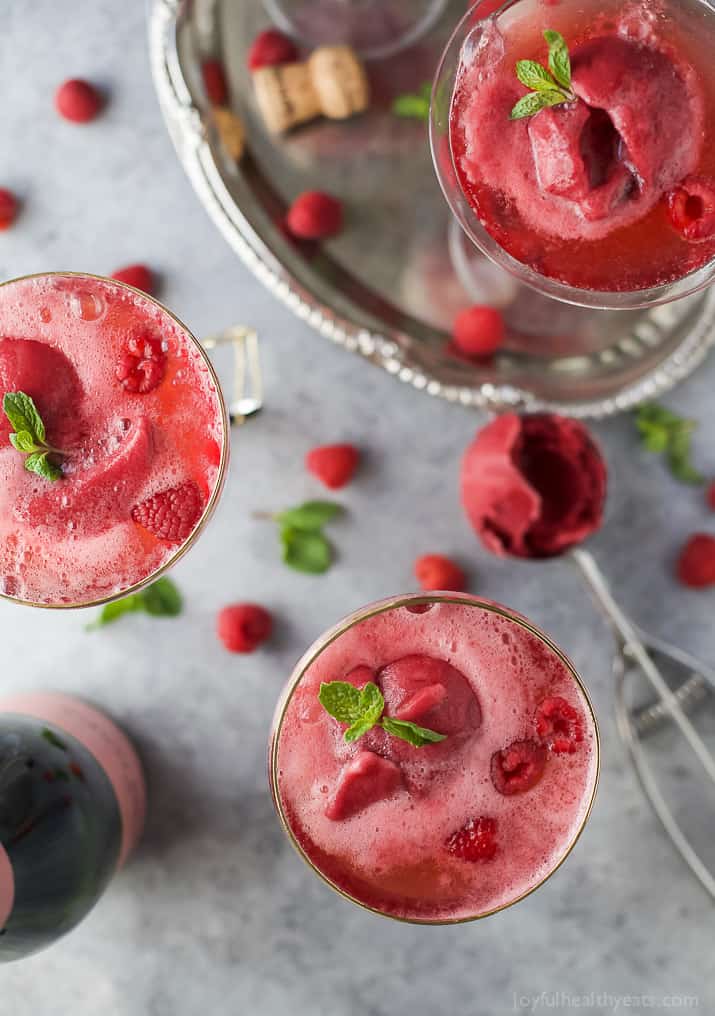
x,y
72,801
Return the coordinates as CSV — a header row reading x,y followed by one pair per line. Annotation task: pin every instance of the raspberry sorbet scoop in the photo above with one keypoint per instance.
x,y
533,486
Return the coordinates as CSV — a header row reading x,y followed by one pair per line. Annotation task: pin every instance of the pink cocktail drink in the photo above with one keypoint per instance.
x,y
136,425
479,815
612,187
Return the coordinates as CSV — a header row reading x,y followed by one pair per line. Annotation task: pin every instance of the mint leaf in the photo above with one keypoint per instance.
x,y
309,517
371,706
111,612
559,60
306,551
414,105
534,102
415,735
363,710
549,87
40,464
342,700
161,599
678,457
29,436
358,728
24,442
534,76
665,433
22,413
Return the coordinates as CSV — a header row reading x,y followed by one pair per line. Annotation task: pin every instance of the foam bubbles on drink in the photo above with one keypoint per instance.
x,y
101,551
404,835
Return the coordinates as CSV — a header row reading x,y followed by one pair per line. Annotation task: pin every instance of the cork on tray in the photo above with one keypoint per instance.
x,y
332,83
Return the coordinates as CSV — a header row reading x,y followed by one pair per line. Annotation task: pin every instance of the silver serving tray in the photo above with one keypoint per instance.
x,y
389,286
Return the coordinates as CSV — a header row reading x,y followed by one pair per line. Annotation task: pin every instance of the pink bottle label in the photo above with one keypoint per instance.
x,y
7,888
109,746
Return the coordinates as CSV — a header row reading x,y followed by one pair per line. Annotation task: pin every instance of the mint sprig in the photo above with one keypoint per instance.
x,y
362,710
29,436
414,105
666,433
161,599
305,546
549,87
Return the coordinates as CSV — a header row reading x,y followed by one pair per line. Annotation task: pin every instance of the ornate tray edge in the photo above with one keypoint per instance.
x,y
188,133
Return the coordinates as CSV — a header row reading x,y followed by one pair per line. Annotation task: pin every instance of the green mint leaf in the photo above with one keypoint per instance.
x,y
22,413
411,732
665,433
678,456
24,442
53,739
161,599
413,106
40,464
309,517
111,612
362,709
534,76
341,700
559,60
305,551
359,728
372,703
534,102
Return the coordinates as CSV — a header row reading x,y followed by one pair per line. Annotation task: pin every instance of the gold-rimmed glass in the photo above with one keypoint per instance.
x,y
416,601
222,411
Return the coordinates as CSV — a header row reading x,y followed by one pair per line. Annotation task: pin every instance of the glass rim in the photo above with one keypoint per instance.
x,y
213,500
638,299
373,610
411,35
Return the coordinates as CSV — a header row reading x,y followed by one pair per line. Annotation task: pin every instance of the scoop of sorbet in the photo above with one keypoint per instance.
x,y
533,486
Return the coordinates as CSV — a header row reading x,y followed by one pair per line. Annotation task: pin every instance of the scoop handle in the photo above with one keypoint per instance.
x,y
632,647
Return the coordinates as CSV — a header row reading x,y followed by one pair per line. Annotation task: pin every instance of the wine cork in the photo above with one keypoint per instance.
x,y
231,132
340,80
332,83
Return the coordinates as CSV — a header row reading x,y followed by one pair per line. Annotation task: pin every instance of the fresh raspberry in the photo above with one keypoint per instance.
x,y
270,48
559,725
138,276
334,465
242,627
214,80
314,216
171,514
8,208
518,767
433,571
696,564
142,365
691,207
475,841
478,331
711,496
78,101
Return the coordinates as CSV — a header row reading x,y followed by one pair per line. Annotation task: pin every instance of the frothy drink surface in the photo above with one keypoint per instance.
x,y
378,817
128,432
